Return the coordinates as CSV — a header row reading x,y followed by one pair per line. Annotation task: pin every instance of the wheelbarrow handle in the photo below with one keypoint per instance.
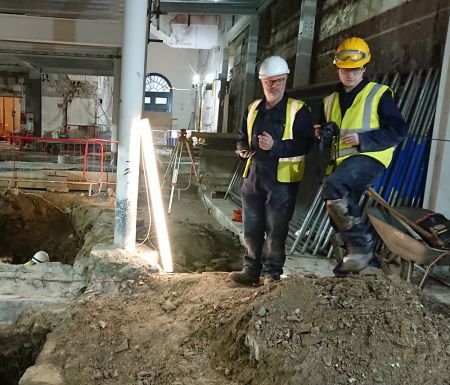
x,y
433,241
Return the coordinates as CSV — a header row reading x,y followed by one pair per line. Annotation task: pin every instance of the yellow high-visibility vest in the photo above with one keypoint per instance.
x,y
362,116
289,169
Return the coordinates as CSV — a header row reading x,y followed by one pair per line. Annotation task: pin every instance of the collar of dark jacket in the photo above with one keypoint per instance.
x,y
279,106
355,90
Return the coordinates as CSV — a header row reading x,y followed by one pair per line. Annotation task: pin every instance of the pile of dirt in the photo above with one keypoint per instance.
x,y
186,329
337,331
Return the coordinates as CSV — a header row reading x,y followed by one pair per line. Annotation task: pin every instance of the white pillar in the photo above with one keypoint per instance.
x,y
437,190
132,91
116,105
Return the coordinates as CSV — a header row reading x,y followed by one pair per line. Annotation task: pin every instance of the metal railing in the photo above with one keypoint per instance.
x,y
58,163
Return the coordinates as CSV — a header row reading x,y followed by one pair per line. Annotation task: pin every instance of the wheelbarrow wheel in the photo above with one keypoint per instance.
x,y
392,264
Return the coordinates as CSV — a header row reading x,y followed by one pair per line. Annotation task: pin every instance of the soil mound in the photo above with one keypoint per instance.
x,y
338,331
200,329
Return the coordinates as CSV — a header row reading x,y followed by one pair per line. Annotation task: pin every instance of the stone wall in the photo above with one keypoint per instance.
x,y
404,36
238,53
10,83
278,31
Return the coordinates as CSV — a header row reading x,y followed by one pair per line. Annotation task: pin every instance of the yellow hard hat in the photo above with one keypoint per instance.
x,y
353,52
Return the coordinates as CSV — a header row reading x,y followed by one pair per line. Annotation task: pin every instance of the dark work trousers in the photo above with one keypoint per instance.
x,y
348,181
268,207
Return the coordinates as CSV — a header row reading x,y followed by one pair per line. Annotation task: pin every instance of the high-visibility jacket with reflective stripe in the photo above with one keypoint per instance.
x,y
289,169
362,116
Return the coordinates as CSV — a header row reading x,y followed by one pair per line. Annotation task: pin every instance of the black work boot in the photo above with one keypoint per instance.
x,y
245,277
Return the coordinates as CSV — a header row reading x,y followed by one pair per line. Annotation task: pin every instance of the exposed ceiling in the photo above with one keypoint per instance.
x,y
25,56
215,7
80,9
113,9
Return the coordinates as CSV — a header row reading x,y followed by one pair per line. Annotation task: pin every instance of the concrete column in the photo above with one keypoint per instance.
x,y
304,42
132,92
33,101
437,189
116,104
224,50
250,63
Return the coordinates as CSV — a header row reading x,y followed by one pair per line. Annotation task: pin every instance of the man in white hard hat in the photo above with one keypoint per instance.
x,y
275,135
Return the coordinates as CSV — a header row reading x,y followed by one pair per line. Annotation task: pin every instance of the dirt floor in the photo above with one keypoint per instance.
x,y
200,328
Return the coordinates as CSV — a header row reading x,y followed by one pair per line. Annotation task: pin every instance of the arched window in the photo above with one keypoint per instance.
x,y
158,93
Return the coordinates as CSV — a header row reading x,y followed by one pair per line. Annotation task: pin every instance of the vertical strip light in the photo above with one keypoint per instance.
x,y
151,169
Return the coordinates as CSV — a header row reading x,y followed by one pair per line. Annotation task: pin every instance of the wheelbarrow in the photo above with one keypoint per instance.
x,y
404,239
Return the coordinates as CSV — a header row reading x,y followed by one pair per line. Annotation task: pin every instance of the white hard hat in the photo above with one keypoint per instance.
x,y
273,66
40,256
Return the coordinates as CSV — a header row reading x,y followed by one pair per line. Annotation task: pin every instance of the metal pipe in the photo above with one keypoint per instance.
x,y
235,174
395,83
414,88
313,226
421,146
327,238
305,222
330,252
399,175
420,187
386,184
403,92
415,154
325,225
116,105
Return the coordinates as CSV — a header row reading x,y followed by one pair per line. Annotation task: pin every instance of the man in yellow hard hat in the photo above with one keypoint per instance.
x,y
367,127
277,131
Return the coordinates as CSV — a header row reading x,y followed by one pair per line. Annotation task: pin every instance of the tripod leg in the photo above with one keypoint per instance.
x,y
185,143
170,164
176,169
197,176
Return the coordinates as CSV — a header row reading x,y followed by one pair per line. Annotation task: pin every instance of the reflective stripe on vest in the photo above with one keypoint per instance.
x,y
289,169
362,116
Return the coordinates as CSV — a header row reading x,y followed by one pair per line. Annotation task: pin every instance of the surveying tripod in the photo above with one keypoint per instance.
x,y
174,166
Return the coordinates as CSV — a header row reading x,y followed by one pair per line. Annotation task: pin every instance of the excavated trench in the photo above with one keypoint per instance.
x,y
20,347
29,223
30,296
67,227
362,330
